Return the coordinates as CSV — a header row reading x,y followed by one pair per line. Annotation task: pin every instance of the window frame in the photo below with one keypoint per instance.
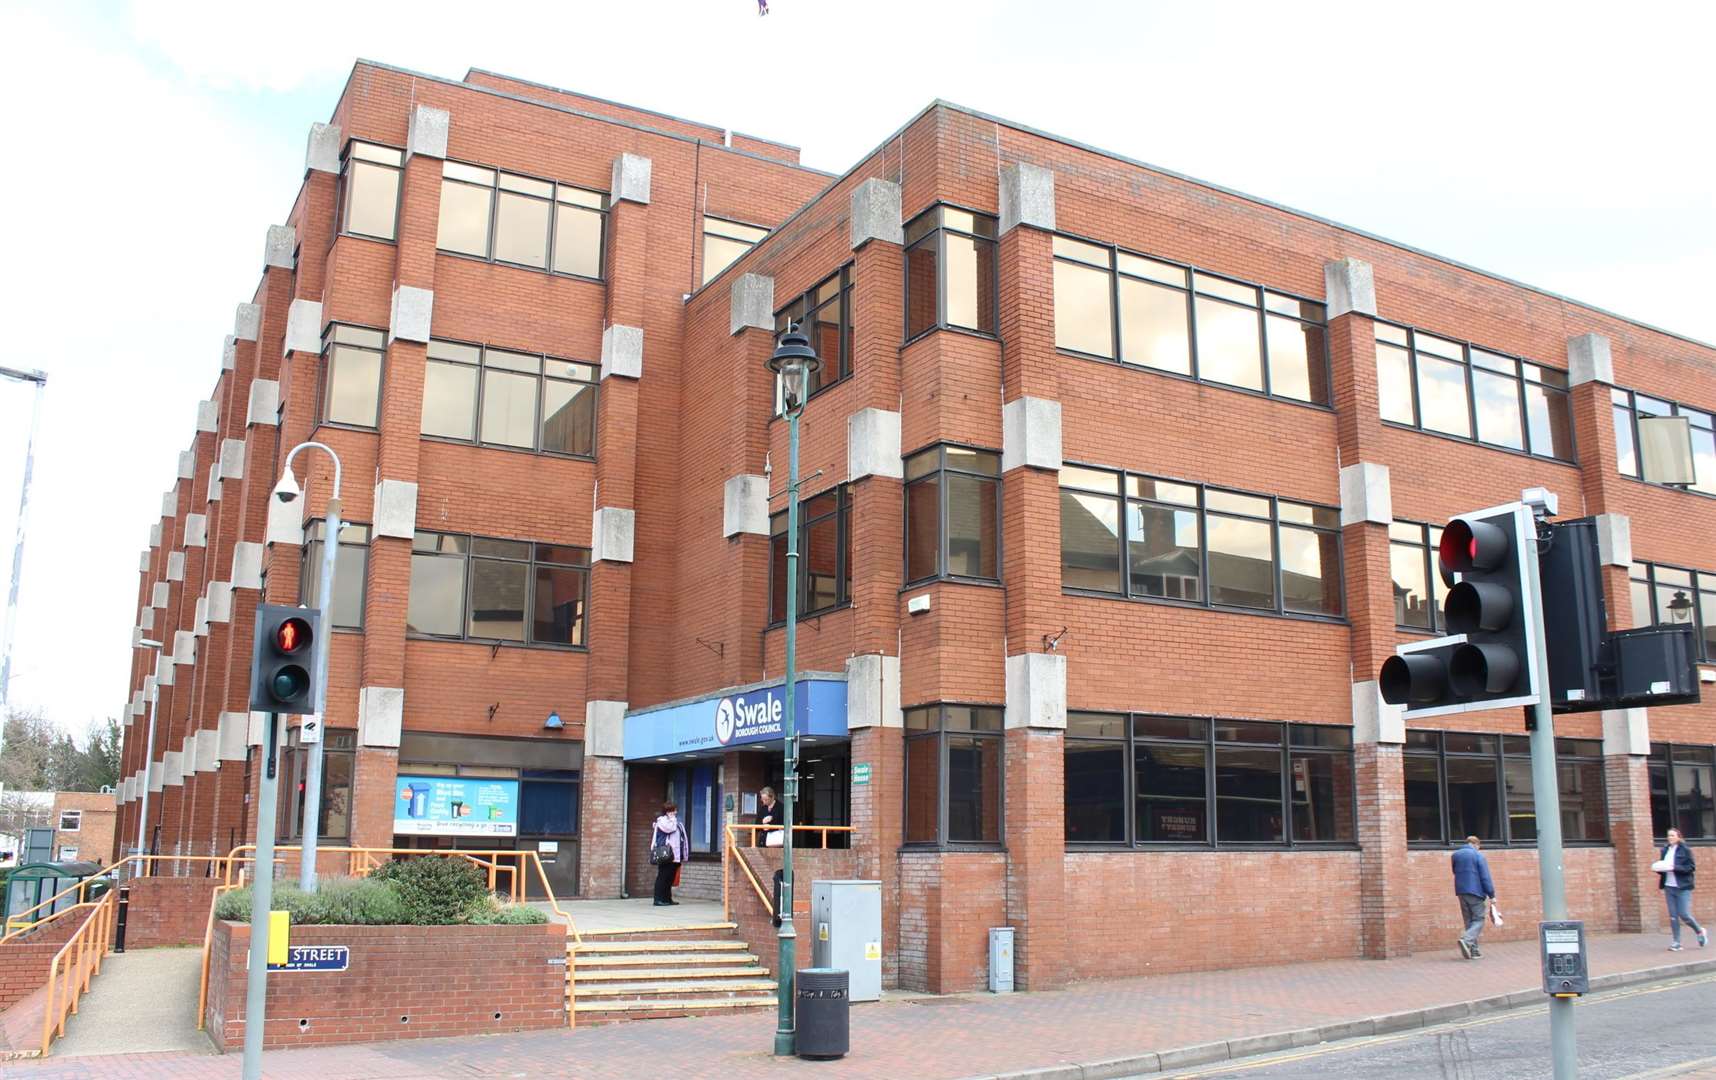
x,y
1192,294
310,567
294,762
1662,754
1122,494
324,377
76,816
937,234
343,212
939,473
1521,378
842,516
703,254
804,305
531,564
1701,583
939,733
1676,408
481,367
1440,754
554,204
1428,542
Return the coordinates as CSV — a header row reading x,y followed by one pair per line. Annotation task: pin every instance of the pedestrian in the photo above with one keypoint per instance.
x,y
1674,877
769,813
1472,884
669,833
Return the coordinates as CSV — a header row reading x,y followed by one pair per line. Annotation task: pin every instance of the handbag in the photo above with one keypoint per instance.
x,y
774,838
659,851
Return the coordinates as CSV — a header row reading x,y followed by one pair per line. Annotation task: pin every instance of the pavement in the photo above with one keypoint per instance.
x,y
597,916
137,1005
1106,1029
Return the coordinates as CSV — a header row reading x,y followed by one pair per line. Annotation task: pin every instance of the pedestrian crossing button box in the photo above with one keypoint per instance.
x,y
1565,970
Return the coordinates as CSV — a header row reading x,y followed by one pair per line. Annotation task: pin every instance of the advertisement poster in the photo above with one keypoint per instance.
x,y
455,806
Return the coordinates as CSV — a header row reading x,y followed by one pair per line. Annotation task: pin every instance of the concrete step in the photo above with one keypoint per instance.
x,y
611,948
597,1012
686,932
664,959
584,977
657,990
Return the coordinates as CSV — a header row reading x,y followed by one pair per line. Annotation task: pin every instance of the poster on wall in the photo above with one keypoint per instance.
x,y
455,806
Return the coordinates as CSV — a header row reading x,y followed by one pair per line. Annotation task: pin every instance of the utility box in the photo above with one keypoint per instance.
x,y
1001,959
846,919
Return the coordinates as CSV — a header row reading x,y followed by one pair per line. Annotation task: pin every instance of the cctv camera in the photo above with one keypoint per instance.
x,y
287,489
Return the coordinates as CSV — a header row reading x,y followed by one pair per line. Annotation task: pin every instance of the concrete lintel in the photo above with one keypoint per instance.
x,y
1626,731
229,353
873,692
622,351
155,535
322,149
1375,720
1027,197
285,523
255,728
1590,359
196,530
631,179
604,728
232,735
873,445
280,249
159,594
395,508
156,777
207,750
173,768
232,459
214,482
1036,691
1350,286
751,303
200,621
146,618
264,405
410,314
220,601
208,416
612,533
745,506
1030,434
246,565
1615,540
247,322
187,464
175,566
426,132
874,212
1366,494
184,648
170,503
381,715
304,327
143,562
151,689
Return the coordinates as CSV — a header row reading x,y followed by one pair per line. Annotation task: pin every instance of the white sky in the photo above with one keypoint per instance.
x,y
151,144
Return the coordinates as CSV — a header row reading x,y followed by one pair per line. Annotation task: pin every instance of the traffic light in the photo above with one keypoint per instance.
x,y
282,659
1488,660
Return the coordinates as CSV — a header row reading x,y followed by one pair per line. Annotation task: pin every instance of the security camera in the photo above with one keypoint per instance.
x,y
287,489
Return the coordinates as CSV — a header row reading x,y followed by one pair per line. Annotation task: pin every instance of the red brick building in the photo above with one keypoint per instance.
x,y
1119,488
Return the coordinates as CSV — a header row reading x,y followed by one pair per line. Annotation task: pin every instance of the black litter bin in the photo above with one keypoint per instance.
x,y
823,1019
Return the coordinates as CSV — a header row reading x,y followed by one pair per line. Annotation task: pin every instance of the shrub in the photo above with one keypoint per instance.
x,y
436,890
489,911
359,901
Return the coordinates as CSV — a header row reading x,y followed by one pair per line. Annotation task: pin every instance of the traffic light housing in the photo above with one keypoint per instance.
x,y
1488,660
282,659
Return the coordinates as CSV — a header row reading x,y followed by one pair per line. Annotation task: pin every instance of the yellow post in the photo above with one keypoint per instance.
x,y
279,926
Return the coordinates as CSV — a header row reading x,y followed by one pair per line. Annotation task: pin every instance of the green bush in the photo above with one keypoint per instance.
x,y
345,901
436,890
489,911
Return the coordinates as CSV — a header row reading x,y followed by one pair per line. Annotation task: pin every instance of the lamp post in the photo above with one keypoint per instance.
x,y
793,362
148,752
287,491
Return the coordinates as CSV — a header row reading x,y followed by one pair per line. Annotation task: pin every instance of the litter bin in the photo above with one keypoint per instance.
x,y
823,1018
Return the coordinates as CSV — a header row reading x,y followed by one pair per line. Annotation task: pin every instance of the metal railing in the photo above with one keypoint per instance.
x,y
78,961
734,856
22,923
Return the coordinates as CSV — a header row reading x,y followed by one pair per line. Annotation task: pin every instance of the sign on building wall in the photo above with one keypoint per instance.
x,y
455,806
741,718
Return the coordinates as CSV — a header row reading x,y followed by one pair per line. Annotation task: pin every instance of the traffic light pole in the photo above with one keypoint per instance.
x,y
1563,1040
261,902
324,641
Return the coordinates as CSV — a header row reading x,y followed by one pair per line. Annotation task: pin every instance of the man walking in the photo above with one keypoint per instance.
x,y
1473,886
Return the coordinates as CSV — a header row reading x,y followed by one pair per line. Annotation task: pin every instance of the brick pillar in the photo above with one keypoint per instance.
x,y
1385,888
1626,776
600,874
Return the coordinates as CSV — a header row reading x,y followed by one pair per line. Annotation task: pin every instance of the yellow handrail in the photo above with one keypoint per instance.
x,y
734,856
85,949
20,922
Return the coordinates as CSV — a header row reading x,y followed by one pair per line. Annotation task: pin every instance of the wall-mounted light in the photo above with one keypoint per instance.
x,y
553,723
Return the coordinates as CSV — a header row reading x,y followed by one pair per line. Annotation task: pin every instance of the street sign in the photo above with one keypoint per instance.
x,y
315,958
310,728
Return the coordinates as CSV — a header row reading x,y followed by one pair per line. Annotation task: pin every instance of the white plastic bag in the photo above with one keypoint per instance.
x,y
1495,914
774,838
1662,866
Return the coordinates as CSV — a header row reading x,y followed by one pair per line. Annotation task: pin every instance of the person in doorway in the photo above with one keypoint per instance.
x,y
1674,877
670,832
1475,889
769,813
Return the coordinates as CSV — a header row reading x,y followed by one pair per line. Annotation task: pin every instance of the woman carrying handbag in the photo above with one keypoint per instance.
x,y
669,847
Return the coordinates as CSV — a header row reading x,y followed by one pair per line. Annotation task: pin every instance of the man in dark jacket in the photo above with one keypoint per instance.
x,y
1474,888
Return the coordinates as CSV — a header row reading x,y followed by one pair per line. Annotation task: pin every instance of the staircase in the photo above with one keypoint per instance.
x,y
649,974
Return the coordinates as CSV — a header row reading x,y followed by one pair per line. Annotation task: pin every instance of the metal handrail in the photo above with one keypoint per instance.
x,y
86,948
732,857
824,830
18,923
208,941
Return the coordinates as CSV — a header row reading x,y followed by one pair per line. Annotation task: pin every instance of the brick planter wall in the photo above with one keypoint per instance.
x,y
448,980
168,911
756,927
24,960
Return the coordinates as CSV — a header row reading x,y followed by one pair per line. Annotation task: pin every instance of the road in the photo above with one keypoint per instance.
x,y
1651,1032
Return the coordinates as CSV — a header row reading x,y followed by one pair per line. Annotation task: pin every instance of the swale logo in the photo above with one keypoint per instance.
x,y
724,721
735,718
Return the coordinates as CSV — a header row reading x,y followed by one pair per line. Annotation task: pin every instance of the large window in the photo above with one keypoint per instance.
x,y
1683,790
1148,780
369,190
724,242
1158,539
1452,388
351,566
1670,596
1419,590
825,315
339,755
824,555
1460,784
498,397
1149,313
351,375
953,514
521,220
481,589
953,774
1645,458
951,271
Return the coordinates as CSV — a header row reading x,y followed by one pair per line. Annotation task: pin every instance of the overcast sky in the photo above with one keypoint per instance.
x,y
150,145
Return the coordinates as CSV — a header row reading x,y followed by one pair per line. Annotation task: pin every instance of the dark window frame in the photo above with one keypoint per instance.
x,y
342,216
293,762
801,308
1702,582
310,564
331,340
938,475
1663,756
842,515
481,367
1520,376
1676,408
936,234
554,204
939,734
1440,754
1427,541
532,563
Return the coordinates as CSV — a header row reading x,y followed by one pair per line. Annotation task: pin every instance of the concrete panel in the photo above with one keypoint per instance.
x,y
1030,434
264,404
604,727
1375,720
322,149
246,565
1590,359
611,535
873,444
381,715
196,530
1626,731
875,213
395,508
411,312
280,249
751,303
232,459
631,179
1366,494
1027,197
873,692
745,506
175,566
426,132
304,327
1350,286
1615,539
622,351
1036,691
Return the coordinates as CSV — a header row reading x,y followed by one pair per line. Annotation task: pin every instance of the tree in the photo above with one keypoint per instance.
x,y
101,755
41,757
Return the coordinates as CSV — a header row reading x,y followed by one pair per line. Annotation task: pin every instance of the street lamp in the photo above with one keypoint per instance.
x,y
793,362
1680,608
287,491
148,749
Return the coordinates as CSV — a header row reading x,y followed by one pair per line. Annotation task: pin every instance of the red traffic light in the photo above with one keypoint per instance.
x,y
1471,545
292,636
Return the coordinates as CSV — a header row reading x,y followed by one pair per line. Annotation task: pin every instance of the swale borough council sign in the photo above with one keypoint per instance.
x,y
744,720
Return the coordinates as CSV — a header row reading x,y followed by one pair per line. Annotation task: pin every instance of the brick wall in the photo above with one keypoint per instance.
x,y
404,982
26,959
756,926
168,911
1591,896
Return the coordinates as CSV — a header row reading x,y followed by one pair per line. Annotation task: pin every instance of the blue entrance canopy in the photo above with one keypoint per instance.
x,y
743,716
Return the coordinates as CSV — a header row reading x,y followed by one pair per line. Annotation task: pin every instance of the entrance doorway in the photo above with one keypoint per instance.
x,y
824,788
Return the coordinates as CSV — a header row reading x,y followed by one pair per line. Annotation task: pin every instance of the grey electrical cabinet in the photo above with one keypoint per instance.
x,y
846,924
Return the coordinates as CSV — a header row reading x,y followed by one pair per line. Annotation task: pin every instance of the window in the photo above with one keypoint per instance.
x,y
1647,458
1412,563
71,820
1669,596
369,190
339,755
1189,543
1460,784
824,555
351,568
351,375
953,774
548,803
497,397
1683,790
68,854
724,242
696,788
520,220
1149,313
1451,388
951,271
480,589
825,315
1268,783
953,514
